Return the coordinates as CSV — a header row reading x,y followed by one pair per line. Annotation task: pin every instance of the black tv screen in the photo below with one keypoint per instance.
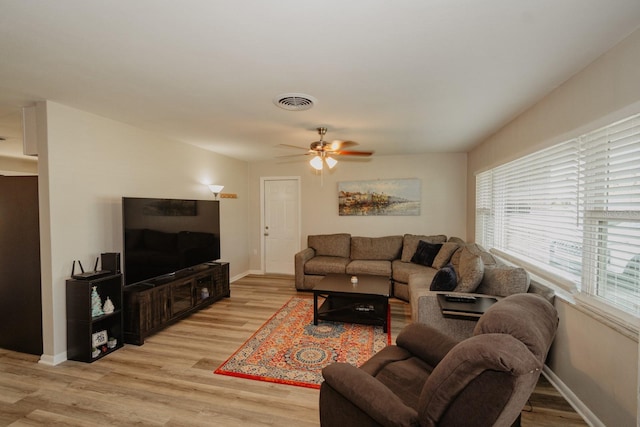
x,y
163,236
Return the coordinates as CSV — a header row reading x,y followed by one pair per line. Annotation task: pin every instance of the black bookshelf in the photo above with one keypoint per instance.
x,y
86,332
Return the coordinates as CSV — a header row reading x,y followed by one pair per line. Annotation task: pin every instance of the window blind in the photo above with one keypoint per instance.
x,y
529,208
610,200
484,208
573,210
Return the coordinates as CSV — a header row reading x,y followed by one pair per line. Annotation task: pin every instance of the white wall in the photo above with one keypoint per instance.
x,y
86,165
596,362
443,185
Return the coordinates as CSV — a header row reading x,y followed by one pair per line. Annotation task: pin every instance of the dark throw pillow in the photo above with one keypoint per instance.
x,y
426,253
445,279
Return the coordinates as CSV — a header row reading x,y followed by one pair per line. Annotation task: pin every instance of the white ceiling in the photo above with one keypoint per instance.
x,y
405,76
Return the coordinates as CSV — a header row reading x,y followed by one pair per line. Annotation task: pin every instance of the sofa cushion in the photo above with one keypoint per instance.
x,y
445,279
503,281
405,378
403,270
444,254
469,272
376,248
455,258
325,265
375,267
425,253
410,244
338,245
487,257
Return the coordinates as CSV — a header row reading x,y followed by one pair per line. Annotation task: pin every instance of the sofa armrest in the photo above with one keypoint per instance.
x,y
299,261
542,290
369,395
426,309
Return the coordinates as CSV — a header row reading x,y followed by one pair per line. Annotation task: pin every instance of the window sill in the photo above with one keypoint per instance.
x,y
622,322
625,323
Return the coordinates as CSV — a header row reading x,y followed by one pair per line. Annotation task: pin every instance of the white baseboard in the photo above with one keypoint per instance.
x,y
52,360
588,416
239,276
47,359
258,273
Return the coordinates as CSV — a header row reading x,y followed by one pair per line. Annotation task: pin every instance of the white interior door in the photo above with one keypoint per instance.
x,y
281,224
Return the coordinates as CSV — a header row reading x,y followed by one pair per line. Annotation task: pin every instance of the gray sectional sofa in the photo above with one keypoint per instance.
x,y
476,271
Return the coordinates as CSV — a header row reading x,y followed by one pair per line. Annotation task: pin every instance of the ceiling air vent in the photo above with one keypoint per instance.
x,y
295,101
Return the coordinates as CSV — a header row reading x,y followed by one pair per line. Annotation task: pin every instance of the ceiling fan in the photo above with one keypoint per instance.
x,y
322,151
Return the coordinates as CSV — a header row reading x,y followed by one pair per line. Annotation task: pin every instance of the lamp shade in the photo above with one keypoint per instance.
x,y
216,189
316,163
331,162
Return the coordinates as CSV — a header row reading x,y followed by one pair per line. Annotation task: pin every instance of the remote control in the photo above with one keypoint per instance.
x,y
459,298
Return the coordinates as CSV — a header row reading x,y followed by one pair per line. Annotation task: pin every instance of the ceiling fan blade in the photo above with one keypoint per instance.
x,y
338,145
352,153
292,146
292,155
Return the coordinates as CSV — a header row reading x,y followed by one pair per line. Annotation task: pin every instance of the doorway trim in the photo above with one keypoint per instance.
x,y
263,180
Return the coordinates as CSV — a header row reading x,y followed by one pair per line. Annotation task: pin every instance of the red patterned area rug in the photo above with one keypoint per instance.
x,y
290,349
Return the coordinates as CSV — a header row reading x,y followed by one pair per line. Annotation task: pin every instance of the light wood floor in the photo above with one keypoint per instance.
x,y
169,381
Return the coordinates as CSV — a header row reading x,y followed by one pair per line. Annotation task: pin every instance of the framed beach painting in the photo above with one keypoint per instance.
x,y
389,197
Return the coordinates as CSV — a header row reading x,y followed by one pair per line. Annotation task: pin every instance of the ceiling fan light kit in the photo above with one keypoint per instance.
x,y
322,151
331,162
317,162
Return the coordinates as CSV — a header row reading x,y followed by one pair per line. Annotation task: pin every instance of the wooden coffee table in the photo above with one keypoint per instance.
x,y
366,302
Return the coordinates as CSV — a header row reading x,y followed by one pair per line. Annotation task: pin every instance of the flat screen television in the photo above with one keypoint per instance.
x,y
165,236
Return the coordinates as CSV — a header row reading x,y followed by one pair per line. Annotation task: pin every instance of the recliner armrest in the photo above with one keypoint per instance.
x,y
369,395
425,342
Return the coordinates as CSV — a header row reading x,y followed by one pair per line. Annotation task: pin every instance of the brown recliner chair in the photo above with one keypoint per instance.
x,y
429,379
